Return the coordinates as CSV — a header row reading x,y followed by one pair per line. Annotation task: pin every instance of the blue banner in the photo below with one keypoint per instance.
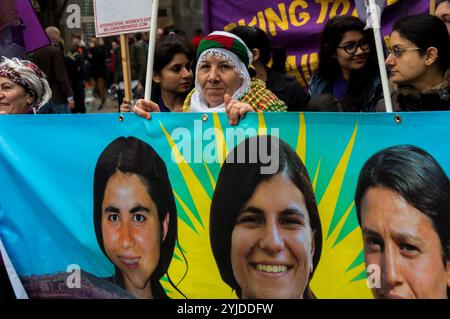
x,y
48,165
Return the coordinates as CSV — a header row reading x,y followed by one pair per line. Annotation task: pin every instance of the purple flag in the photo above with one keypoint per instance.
x,y
34,36
297,24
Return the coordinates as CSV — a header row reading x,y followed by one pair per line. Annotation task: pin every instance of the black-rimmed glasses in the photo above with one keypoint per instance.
x,y
352,47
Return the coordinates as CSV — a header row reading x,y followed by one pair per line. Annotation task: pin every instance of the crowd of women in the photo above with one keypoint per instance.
x,y
229,73
227,77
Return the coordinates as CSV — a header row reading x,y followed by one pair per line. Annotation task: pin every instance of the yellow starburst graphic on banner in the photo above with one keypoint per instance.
x,y
333,277
202,279
340,273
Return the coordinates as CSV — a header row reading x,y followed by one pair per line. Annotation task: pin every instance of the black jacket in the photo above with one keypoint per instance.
x,y
51,60
288,90
409,99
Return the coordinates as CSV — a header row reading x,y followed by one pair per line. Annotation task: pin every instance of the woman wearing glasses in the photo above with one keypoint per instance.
x,y
347,65
419,63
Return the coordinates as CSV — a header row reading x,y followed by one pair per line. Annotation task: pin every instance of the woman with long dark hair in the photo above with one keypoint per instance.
x,y
284,87
419,64
403,206
135,216
347,65
265,229
172,73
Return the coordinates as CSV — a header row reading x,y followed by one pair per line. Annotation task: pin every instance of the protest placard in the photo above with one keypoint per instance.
x,y
117,17
114,17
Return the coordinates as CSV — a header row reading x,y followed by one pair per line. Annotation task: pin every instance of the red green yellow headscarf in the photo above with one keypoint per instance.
x,y
234,50
226,40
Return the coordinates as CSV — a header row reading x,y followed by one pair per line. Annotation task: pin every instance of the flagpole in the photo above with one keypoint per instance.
x,y
380,55
151,49
19,290
126,67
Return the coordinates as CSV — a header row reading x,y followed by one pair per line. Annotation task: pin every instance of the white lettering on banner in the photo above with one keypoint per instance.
x,y
73,21
374,276
113,17
74,279
203,147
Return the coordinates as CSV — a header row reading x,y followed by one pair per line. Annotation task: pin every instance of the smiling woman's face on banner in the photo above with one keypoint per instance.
x,y
272,244
131,231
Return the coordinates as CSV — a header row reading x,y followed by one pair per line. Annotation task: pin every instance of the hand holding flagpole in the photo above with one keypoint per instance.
x,y
151,50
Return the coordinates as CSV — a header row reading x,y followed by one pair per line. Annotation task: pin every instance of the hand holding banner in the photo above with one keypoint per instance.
x,y
333,147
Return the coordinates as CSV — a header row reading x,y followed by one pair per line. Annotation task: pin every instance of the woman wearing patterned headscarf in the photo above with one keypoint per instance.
x,y
23,87
223,82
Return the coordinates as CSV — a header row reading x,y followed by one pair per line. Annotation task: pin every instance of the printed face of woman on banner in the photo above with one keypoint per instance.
x,y
404,243
131,232
403,205
265,229
135,215
272,243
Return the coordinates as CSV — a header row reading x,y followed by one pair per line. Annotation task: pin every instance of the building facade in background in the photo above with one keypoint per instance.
x,y
186,15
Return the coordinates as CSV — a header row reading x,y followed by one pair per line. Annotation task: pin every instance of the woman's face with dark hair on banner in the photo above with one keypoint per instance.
x,y
403,242
272,244
131,231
